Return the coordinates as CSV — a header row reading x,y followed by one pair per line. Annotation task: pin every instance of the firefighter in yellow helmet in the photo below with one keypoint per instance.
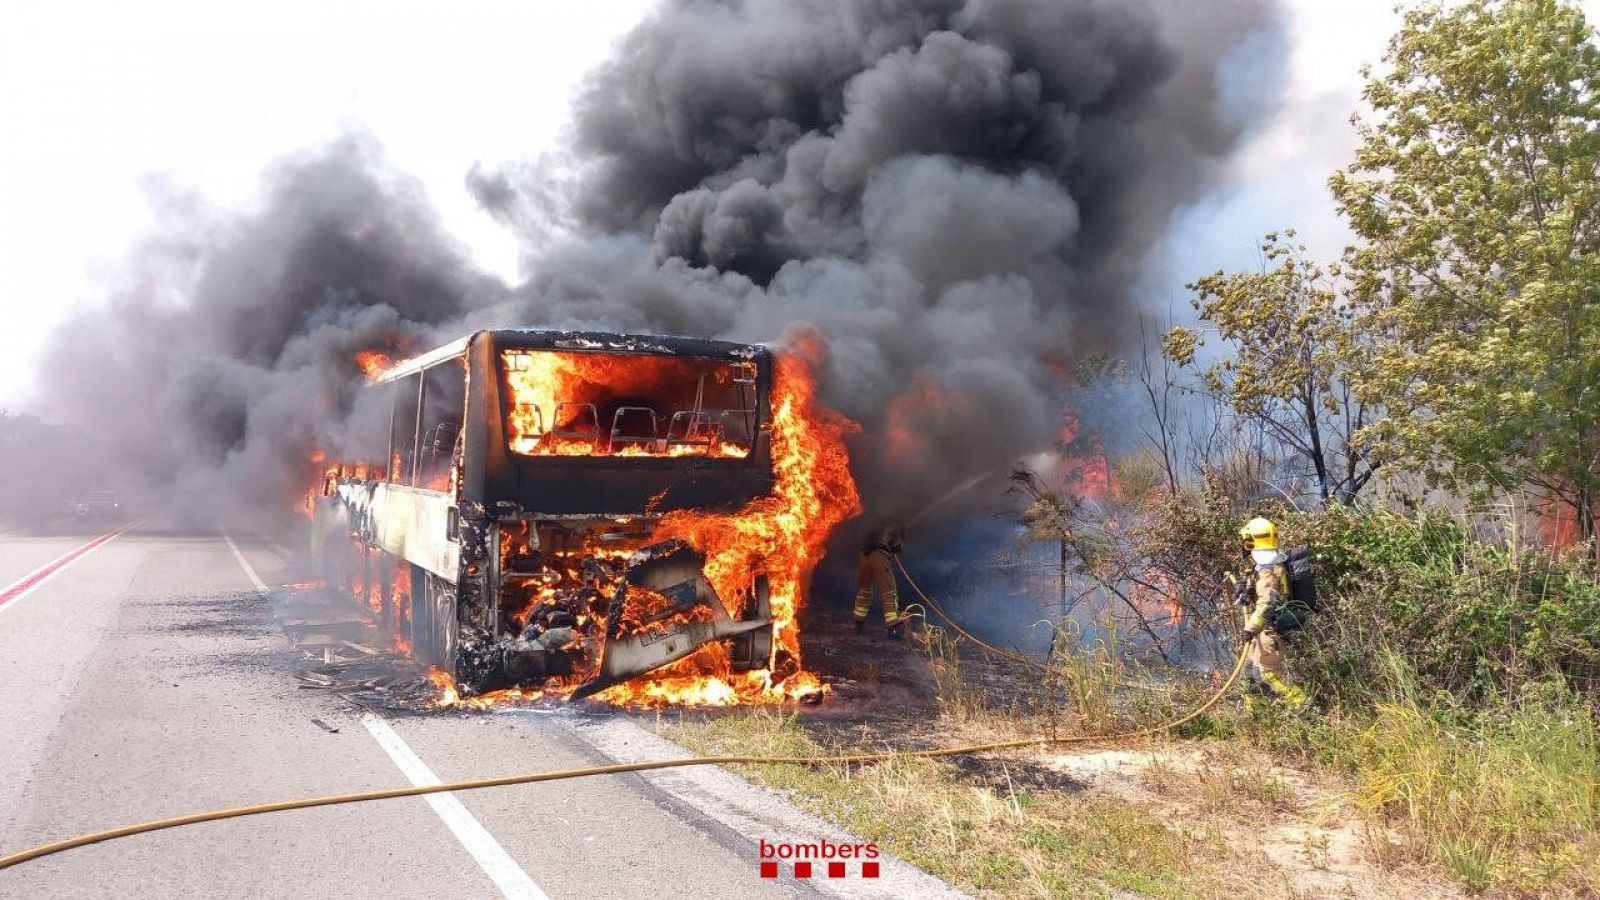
x,y
875,571
1267,594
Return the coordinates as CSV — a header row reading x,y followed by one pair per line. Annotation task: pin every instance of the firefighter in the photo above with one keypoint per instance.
x,y
875,571
1264,597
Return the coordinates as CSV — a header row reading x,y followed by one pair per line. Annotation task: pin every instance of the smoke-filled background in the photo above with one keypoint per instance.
x,y
962,197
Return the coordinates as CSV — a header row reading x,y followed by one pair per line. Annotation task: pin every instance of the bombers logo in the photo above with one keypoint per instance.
x,y
837,860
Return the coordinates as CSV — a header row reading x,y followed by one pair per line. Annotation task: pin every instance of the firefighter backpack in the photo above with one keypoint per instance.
x,y
1296,609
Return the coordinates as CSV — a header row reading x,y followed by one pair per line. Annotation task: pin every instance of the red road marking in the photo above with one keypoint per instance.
x,y
43,573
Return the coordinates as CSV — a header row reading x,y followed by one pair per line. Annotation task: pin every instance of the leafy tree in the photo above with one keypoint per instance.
x,y
1475,286
1286,372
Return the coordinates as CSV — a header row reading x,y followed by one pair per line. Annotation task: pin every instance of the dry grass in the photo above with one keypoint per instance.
x,y
1195,819
959,699
1227,781
1505,802
1012,842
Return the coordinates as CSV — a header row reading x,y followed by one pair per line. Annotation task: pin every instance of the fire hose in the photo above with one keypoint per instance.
x,y
97,837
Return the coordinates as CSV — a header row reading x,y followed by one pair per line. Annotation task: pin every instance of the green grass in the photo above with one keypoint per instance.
x,y
1506,799
1009,843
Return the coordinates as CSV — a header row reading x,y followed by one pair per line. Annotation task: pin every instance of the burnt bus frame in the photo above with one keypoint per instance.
x,y
451,540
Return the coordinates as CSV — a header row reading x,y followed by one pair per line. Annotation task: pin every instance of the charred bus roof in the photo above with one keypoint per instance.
x,y
577,342
674,453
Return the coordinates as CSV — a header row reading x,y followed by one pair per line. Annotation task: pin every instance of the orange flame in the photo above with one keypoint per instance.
x,y
374,363
1154,597
1085,470
316,462
555,399
1558,522
905,446
399,609
446,694
782,536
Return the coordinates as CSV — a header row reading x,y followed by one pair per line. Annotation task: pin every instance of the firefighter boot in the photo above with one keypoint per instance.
x,y
1291,696
1257,696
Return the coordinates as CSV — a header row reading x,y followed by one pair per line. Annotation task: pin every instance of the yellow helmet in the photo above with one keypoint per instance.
x,y
1259,534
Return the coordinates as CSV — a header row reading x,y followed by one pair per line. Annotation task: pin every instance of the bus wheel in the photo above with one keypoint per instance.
x,y
441,635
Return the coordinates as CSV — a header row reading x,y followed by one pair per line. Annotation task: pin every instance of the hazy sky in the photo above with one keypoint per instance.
x,y
101,98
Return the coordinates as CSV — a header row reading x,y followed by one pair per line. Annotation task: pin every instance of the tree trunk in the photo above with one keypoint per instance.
x,y
1584,513
1063,580
1315,433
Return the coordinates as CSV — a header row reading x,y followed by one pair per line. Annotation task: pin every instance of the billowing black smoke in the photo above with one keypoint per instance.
x,y
227,353
959,194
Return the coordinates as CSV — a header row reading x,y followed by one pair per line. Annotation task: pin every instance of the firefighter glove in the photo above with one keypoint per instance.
x,y
1256,624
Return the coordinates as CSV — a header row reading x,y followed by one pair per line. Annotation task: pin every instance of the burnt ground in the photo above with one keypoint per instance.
x,y
339,649
872,675
1006,777
887,681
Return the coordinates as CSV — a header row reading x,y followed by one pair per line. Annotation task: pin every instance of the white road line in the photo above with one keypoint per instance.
x,y
492,858
249,570
509,877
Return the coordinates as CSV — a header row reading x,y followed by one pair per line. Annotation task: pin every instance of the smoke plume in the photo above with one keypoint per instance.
x,y
226,355
957,194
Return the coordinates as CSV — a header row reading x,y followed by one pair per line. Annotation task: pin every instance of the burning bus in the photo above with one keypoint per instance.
x,y
568,511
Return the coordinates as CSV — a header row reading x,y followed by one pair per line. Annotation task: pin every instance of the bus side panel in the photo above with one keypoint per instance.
x,y
483,427
409,523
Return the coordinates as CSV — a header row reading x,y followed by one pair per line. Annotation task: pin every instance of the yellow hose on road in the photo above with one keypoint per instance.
x,y
7,862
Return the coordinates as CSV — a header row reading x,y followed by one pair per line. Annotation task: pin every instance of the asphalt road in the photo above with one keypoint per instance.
x,y
145,678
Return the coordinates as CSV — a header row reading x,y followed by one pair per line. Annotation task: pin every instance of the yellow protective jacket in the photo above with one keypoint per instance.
x,y
1271,589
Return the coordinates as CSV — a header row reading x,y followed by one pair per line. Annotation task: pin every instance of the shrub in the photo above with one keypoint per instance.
x,y
1476,617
